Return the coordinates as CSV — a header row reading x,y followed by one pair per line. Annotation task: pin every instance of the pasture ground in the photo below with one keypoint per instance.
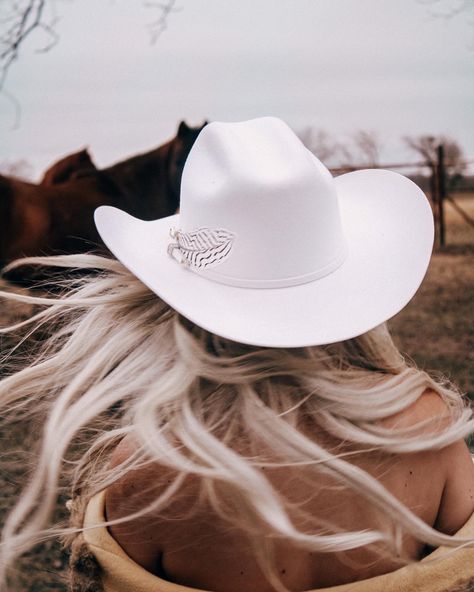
x,y
435,330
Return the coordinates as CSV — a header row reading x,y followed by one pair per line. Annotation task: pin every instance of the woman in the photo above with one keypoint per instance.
x,y
239,416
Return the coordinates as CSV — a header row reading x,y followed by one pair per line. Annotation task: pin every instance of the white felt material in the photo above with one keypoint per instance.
x,y
359,245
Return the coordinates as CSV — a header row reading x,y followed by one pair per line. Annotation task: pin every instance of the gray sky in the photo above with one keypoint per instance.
x,y
339,65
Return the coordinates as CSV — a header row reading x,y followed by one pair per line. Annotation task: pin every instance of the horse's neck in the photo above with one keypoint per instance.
x,y
147,168
145,185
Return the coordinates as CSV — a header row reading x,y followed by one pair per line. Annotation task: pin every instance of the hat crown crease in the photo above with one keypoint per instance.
x,y
257,180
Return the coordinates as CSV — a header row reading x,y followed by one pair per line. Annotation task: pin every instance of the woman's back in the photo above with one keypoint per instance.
x,y
192,545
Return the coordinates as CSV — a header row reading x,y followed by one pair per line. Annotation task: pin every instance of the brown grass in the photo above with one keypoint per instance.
x,y
458,231
436,328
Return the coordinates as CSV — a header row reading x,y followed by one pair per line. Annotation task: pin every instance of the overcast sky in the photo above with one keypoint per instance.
x,y
338,65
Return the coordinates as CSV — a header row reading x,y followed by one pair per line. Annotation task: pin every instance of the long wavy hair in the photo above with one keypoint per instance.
x,y
115,360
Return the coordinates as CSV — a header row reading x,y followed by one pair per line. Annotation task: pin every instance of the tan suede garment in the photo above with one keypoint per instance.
x,y
99,563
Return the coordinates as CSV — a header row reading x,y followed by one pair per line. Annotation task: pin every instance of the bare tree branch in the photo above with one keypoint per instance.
x,y
24,18
427,148
159,26
448,9
16,107
319,143
362,149
368,146
20,19
53,35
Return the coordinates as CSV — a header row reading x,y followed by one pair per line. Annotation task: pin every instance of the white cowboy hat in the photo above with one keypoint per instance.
x,y
269,249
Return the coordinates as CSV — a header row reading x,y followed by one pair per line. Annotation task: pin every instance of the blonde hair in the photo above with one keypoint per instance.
x,y
119,361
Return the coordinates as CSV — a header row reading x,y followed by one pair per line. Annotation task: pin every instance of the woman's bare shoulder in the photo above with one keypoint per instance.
x,y
139,486
131,494
452,463
457,502
429,407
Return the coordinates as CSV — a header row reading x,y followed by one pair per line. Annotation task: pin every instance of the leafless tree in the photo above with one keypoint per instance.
x,y
368,147
21,169
362,149
21,19
320,143
426,146
448,9
160,25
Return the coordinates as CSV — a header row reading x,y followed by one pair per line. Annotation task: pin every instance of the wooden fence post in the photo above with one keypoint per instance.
x,y
434,195
441,194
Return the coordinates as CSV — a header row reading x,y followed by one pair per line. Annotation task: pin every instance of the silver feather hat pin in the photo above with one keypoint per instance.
x,y
201,248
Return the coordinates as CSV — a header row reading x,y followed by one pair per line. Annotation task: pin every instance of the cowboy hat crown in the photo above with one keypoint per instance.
x,y
257,181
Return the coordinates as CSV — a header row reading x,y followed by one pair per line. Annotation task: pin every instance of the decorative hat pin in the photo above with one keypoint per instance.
x,y
201,248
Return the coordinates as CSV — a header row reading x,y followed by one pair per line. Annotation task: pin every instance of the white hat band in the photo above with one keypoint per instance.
x,y
183,258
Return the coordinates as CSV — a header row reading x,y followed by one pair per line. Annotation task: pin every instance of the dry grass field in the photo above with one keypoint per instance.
x,y
435,330
458,231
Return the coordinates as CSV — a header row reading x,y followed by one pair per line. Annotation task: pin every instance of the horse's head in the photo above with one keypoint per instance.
x,y
180,147
68,168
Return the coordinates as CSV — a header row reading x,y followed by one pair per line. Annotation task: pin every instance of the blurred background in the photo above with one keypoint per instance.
x,y
87,84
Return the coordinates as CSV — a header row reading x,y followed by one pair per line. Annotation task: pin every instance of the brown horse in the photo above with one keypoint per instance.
x,y
156,173
69,168
56,215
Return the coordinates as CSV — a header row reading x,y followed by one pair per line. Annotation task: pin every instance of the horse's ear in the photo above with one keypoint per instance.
x,y
84,154
84,157
183,128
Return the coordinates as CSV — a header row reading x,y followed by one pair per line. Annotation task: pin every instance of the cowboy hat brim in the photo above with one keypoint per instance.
x,y
388,226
